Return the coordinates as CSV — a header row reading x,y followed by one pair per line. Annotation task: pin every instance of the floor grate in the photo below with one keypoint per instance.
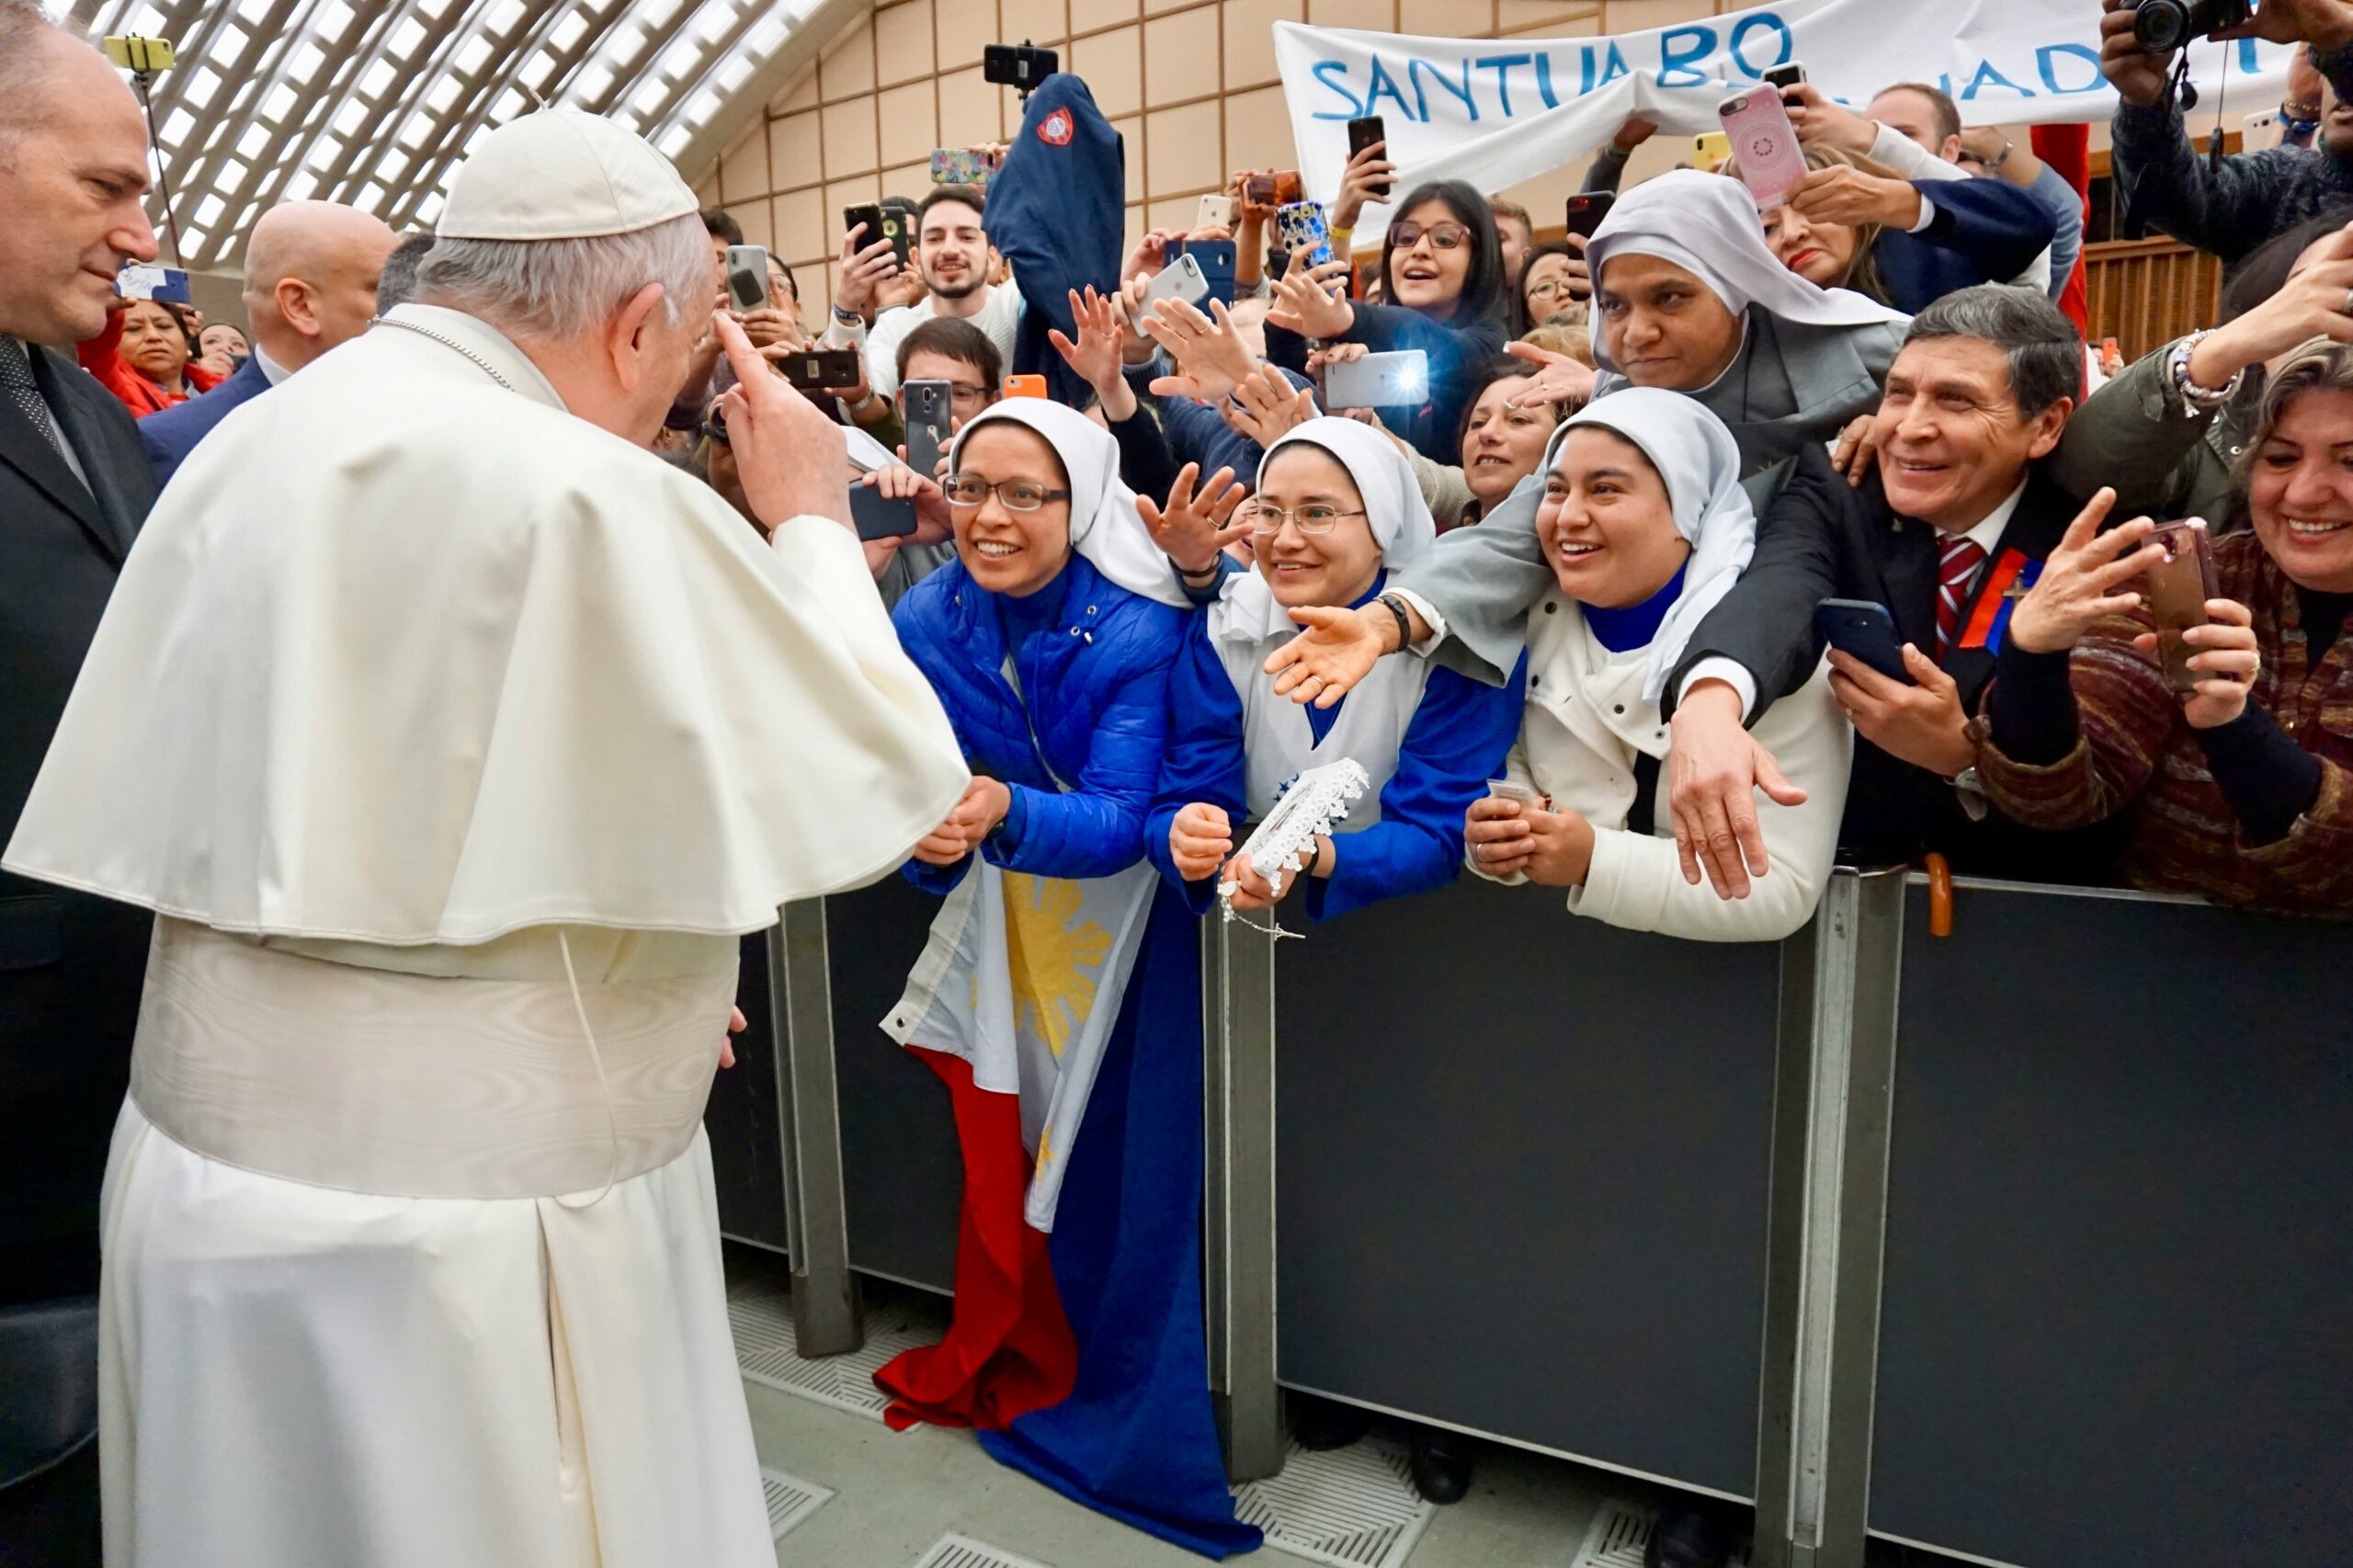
x,y
791,1499
1620,1532
766,1352
1352,1508
963,1551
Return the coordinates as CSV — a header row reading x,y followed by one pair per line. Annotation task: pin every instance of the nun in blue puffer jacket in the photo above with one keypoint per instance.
x,y
1337,509
1059,996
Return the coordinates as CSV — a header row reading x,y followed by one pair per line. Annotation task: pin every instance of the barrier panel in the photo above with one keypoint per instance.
x,y
2115,1323
2028,1243
743,1121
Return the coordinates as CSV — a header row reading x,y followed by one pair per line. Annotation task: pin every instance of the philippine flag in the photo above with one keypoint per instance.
x,y
1064,1018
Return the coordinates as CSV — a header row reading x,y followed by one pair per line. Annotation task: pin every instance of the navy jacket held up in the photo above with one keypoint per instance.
x,y
1984,231
1079,743
1057,213
171,435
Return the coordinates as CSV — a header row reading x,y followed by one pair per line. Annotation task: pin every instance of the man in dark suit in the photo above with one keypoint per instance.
x,y
1954,523
75,488
311,271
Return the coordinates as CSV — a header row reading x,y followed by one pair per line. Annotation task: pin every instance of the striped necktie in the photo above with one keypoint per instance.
x,y
17,381
1958,560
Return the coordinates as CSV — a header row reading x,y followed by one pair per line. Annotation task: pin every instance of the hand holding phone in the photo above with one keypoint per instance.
x,y
881,224
2177,588
927,406
815,370
1864,631
1399,380
747,278
1584,213
1364,135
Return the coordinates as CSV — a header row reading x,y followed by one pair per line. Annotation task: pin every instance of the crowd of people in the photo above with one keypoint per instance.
x,y
1707,550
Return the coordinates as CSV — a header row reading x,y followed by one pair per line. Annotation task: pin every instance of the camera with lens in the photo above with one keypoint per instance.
x,y
2163,26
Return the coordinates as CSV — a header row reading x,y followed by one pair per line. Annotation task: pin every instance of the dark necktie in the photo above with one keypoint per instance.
x,y
17,381
1957,559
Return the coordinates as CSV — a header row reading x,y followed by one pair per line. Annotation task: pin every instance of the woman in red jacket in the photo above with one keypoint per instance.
x,y
144,357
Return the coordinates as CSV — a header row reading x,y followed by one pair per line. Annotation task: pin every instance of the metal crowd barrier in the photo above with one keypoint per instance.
x,y
2063,1281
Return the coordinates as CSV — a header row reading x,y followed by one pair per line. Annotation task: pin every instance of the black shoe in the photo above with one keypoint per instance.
x,y
1441,1464
1322,1425
1687,1536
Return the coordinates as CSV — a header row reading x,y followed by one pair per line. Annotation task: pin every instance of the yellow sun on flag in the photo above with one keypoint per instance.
x,y
1053,951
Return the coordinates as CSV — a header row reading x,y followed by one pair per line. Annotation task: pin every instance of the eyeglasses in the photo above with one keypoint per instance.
x,y
1266,522
1552,289
1013,494
1445,236
964,394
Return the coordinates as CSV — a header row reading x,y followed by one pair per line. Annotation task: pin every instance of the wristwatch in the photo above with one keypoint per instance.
x,y
848,318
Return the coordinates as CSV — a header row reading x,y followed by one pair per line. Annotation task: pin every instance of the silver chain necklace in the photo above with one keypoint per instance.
x,y
450,343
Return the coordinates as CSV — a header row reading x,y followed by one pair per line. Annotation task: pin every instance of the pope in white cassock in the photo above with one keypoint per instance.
x,y
455,739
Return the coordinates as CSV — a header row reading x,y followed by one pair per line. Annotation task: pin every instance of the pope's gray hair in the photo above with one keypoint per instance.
x,y
565,288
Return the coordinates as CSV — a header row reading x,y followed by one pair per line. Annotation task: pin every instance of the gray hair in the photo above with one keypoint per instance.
x,y
24,31
2046,352
565,288
2321,365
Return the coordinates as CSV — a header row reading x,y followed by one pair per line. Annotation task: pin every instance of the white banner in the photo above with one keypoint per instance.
x,y
1495,112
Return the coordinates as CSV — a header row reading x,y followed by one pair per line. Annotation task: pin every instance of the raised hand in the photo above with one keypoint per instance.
x,y
1212,358
934,523
1369,177
865,267
1817,120
790,457
2138,77
1857,451
1303,302
1559,379
1194,528
2082,581
1200,839
1338,649
1840,194
1097,356
1265,407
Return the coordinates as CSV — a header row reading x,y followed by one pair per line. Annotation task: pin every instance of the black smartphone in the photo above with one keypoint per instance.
x,y
881,224
1865,630
1586,212
1363,133
878,515
1788,76
821,367
1018,66
927,415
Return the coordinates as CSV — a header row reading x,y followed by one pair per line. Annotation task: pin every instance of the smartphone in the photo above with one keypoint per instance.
x,y
1217,213
961,165
1586,212
2178,587
1527,795
1302,226
1180,279
881,224
878,515
166,283
747,278
1788,76
1401,379
1017,66
1363,133
1764,143
1216,259
929,424
1710,149
821,367
1866,632
1278,189
1025,386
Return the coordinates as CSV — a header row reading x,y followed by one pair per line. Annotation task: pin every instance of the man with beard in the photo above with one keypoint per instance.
x,y
952,252
2232,205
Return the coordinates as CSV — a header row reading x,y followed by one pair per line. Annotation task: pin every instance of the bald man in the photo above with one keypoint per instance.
x,y
310,272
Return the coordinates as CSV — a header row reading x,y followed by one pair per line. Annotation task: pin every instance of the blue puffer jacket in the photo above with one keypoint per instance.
x,y
1082,754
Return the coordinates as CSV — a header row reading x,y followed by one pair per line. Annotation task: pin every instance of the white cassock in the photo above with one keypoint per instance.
x,y
455,742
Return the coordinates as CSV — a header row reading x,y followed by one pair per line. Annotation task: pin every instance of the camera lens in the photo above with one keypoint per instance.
x,y
2160,26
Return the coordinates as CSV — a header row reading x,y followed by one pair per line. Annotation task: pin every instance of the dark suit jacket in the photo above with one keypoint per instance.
x,y
70,967
1826,539
1984,231
170,436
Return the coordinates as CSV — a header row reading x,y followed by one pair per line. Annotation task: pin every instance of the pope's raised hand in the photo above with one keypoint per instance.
x,y
790,457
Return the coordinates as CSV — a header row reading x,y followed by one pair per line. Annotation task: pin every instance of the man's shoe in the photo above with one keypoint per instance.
x,y
1687,1536
1322,1425
1441,1463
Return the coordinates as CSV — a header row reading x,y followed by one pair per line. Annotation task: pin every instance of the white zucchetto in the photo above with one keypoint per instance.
x,y
562,174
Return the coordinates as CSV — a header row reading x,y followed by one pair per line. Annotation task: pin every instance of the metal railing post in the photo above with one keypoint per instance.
x,y
826,1319
1832,1096
1238,1229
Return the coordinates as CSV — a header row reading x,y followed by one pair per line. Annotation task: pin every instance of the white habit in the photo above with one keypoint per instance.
x,y
456,742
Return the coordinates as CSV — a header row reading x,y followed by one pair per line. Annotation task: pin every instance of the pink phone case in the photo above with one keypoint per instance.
x,y
1763,144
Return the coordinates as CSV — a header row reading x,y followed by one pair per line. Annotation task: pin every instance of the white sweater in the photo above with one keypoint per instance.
x,y
998,318
1584,725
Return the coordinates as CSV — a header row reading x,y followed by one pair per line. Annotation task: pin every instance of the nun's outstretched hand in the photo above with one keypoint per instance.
x,y
1195,528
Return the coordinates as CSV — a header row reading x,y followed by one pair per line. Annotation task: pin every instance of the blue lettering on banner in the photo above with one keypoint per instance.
x,y
1612,71
1545,81
1740,44
1986,74
1380,81
1323,71
2047,58
2247,61
1501,64
1413,70
1696,44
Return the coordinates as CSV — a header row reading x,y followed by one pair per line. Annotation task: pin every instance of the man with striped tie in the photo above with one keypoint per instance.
x,y
1947,534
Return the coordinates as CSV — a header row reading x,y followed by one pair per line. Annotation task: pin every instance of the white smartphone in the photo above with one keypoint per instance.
x,y
1379,380
747,276
1217,213
1506,790
1180,279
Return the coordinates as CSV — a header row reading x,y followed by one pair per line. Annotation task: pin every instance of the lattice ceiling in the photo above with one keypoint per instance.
x,y
374,102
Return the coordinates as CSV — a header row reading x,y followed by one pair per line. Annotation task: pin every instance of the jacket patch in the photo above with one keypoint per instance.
x,y
1056,128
